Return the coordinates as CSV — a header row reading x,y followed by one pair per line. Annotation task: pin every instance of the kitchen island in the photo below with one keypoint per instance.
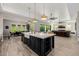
x,y
40,43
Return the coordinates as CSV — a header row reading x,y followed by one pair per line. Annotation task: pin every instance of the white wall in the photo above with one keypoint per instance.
x,y
11,18
1,27
77,24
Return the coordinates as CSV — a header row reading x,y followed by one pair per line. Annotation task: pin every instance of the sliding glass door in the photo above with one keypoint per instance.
x,y
45,28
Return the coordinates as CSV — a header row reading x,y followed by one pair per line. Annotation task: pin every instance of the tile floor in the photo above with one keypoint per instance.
x,y
63,47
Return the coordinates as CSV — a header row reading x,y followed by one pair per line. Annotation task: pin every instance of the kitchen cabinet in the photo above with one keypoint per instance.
x,y
40,45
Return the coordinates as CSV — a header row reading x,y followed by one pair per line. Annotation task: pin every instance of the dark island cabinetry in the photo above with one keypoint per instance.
x,y
41,46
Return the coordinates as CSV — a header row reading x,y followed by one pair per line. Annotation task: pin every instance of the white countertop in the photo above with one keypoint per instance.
x,y
39,35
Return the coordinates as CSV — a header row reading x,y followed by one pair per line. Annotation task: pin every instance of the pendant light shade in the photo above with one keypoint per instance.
x,y
43,17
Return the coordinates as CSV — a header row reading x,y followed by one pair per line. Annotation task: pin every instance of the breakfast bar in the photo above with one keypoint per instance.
x,y
40,43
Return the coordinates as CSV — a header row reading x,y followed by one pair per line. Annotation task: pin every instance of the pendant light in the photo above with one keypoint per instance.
x,y
52,16
29,14
34,19
43,17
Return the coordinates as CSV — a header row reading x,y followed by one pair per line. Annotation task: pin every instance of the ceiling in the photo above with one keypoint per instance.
x,y
62,11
